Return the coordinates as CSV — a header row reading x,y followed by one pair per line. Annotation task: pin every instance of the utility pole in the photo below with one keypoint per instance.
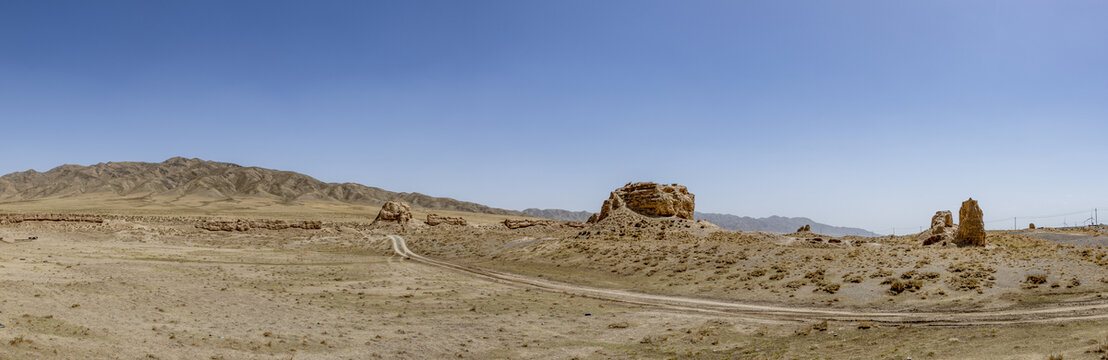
x,y
1014,224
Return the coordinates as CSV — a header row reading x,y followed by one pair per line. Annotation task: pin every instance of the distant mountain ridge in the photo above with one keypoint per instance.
x,y
778,224
178,177
773,224
558,214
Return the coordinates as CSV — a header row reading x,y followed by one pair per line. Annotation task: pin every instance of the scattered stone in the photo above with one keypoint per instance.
x,y
971,225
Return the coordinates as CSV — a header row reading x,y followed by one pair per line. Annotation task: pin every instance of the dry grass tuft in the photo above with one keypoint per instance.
x,y
896,286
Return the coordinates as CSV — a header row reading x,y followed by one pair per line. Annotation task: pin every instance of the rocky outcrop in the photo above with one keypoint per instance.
x,y
395,211
942,219
649,199
942,228
1031,226
971,225
436,219
805,228
246,225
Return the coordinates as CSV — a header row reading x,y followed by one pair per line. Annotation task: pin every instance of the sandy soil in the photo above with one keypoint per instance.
x,y
154,289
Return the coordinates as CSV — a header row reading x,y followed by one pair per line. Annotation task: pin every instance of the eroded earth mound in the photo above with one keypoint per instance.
x,y
436,219
649,199
394,211
942,229
525,223
246,225
18,218
647,210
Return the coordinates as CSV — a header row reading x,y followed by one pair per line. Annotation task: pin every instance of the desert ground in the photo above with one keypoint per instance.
x,y
159,287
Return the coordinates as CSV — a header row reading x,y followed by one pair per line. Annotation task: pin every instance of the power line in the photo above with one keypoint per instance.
x,y
1090,211
1015,219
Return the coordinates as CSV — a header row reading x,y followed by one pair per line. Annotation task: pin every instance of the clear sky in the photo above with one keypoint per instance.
x,y
858,113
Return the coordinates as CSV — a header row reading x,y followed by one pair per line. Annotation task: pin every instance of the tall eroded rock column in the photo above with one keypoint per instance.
x,y
971,225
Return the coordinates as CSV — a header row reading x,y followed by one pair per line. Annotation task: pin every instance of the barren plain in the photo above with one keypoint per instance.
x,y
294,269
153,287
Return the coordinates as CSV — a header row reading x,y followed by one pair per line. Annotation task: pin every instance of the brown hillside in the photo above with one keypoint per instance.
x,y
180,177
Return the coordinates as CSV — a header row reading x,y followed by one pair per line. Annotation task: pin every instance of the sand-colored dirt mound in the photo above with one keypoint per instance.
x,y
625,223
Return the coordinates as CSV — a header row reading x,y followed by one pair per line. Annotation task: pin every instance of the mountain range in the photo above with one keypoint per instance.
x,y
778,224
180,177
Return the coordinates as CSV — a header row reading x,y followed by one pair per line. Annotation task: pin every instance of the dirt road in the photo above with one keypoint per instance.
x,y
1062,312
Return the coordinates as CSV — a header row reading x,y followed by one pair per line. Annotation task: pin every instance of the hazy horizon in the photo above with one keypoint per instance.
x,y
865,114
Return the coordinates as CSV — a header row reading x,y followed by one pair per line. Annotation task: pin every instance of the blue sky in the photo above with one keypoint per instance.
x,y
859,113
